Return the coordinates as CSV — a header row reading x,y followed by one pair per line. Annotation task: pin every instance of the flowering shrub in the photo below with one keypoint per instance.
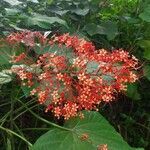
x,y
69,74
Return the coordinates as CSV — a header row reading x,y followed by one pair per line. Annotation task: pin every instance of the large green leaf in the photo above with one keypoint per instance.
x,y
93,29
44,21
13,2
111,29
97,129
105,28
145,15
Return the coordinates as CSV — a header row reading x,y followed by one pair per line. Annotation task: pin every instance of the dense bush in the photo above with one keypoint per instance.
x,y
115,24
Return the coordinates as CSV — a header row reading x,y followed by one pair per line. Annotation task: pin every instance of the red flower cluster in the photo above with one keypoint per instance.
x,y
80,46
67,85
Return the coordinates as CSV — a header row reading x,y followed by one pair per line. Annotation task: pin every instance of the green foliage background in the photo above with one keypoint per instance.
x,y
109,24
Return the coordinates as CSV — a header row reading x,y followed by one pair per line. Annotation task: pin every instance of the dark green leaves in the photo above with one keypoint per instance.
x,y
111,29
105,28
132,91
97,129
93,29
44,21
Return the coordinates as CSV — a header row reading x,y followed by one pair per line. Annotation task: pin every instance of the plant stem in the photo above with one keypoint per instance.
x,y
27,104
24,112
35,129
12,132
3,119
44,120
50,123
11,115
4,104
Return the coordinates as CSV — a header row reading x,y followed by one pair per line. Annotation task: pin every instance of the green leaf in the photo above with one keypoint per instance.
x,y
5,53
11,11
108,78
146,71
92,66
49,1
44,21
145,44
105,28
9,147
147,54
59,12
33,1
132,91
111,29
13,2
61,51
15,27
93,29
5,76
97,129
46,49
81,12
145,15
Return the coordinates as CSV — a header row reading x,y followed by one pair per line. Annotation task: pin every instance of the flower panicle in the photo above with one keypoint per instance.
x,y
67,87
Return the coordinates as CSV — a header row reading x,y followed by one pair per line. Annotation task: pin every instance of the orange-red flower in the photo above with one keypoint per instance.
x,y
68,85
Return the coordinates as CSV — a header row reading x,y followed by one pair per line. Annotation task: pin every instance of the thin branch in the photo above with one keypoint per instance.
x,y
14,133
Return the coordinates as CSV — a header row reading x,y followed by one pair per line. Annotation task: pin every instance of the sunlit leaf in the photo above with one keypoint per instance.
x,y
80,11
44,21
5,76
97,130
13,2
11,12
34,1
